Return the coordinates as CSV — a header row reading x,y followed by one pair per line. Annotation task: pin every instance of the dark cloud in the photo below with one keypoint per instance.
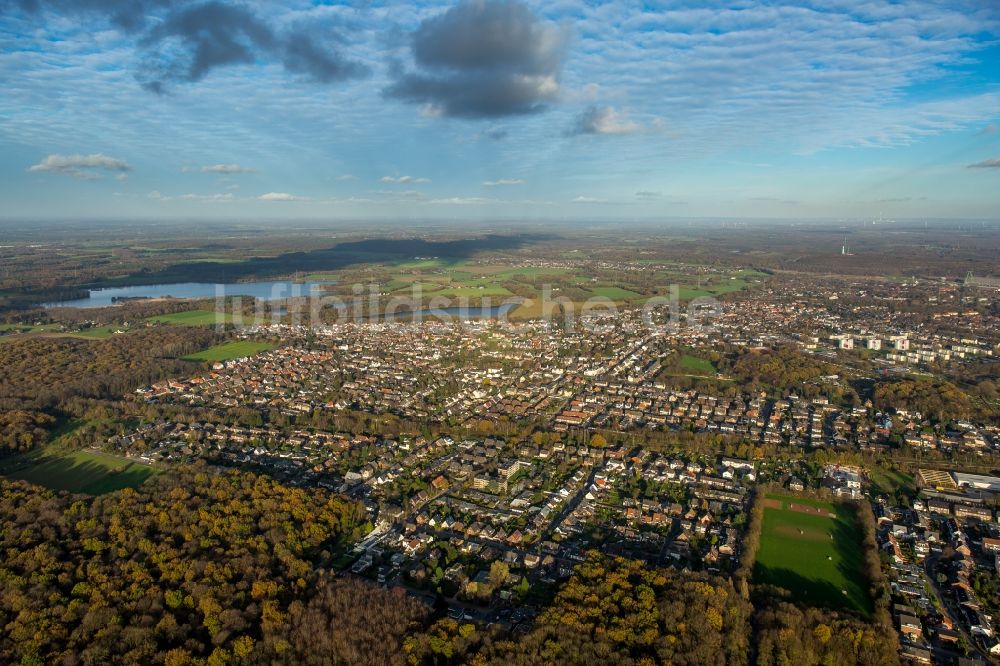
x,y
496,133
483,59
303,55
187,40
196,39
987,164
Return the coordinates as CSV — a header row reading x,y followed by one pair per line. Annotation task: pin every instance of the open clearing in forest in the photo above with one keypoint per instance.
x,y
88,472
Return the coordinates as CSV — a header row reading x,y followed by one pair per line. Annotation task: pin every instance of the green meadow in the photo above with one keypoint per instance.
x,y
229,350
88,472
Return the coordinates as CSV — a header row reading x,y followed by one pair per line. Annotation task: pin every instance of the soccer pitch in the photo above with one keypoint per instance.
x,y
813,549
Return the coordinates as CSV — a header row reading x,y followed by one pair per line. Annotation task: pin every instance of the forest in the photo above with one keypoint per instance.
x,y
44,380
195,566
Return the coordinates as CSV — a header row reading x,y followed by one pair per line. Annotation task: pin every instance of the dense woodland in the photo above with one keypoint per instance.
x,y
624,612
194,565
935,399
45,379
788,634
40,373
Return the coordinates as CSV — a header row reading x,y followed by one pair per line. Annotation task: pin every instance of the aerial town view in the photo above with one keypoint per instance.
x,y
423,333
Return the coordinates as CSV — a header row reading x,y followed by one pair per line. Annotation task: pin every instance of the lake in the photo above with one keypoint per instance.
x,y
264,290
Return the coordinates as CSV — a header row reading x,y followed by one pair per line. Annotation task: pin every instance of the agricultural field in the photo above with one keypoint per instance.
x,y
87,472
229,350
813,549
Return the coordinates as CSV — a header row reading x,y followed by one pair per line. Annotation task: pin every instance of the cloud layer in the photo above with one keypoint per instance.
x,y
454,93
227,169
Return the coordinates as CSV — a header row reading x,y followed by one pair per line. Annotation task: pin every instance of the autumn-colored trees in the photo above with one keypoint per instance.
x,y
620,611
195,564
937,399
41,373
787,634
21,429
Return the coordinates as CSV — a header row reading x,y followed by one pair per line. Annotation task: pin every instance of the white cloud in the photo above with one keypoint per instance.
x,y
227,169
404,179
221,197
87,167
279,196
347,176
589,200
502,182
463,201
605,120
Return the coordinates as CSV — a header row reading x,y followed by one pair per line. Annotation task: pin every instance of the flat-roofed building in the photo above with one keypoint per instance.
x,y
977,481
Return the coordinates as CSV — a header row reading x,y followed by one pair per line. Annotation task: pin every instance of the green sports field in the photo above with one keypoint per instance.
x,y
229,350
816,555
76,471
697,365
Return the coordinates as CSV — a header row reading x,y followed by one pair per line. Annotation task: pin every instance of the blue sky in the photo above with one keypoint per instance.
x,y
499,109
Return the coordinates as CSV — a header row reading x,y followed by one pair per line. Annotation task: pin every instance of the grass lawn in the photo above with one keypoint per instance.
x,y
19,328
697,365
76,471
887,481
421,264
189,318
402,287
712,288
230,350
473,292
815,556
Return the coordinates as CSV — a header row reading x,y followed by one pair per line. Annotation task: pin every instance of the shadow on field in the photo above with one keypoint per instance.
x,y
65,473
810,591
846,543
387,250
